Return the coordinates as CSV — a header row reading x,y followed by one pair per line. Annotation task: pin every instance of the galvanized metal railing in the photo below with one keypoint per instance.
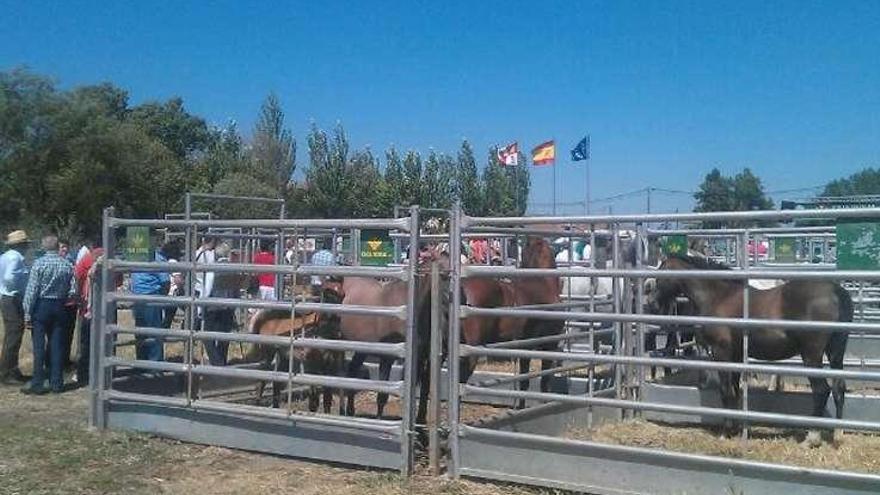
x,y
104,395
630,358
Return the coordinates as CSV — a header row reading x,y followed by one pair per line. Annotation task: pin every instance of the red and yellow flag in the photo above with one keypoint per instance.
x,y
544,153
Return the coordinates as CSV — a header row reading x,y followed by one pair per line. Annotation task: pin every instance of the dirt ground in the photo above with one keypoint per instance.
x,y
47,448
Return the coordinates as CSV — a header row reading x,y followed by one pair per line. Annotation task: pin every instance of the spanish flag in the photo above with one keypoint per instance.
x,y
544,153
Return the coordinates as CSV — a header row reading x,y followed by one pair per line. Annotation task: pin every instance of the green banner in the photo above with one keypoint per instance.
x,y
137,244
784,250
675,245
376,248
858,245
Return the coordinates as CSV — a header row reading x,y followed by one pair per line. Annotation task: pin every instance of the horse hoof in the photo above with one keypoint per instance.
x,y
813,440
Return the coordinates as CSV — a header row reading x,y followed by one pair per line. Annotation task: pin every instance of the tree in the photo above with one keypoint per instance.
x,y
468,185
325,178
437,187
866,181
182,133
411,187
393,183
244,184
744,192
224,155
274,149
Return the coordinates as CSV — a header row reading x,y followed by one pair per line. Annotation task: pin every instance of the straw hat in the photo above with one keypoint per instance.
x,y
16,237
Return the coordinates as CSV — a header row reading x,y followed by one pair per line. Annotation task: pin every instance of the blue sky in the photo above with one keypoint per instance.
x,y
666,89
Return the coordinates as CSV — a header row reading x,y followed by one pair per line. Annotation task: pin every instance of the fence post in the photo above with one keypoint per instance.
x,y
408,426
744,376
436,360
453,362
100,337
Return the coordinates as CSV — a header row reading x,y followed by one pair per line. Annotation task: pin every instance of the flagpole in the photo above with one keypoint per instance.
x,y
587,175
554,176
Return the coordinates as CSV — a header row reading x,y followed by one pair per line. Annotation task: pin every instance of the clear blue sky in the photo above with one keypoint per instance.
x,y
666,89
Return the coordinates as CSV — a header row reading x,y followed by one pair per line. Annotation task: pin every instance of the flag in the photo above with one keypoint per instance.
x,y
581,151
544,153
509,155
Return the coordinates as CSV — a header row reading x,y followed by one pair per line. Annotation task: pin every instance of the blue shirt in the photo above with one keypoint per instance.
x,y
13,274
51,278
150,283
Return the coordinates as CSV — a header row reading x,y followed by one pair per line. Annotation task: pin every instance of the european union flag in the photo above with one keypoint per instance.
x,y
581,151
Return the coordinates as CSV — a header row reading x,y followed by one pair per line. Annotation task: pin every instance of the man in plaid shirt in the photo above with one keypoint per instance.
x,y
50,285
322,257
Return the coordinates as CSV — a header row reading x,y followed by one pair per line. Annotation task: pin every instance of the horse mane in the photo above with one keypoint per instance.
x,y
700,263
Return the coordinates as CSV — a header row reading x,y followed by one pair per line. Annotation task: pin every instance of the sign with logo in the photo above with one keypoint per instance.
x,y
858,245
137,244
376,248
784,250
675,245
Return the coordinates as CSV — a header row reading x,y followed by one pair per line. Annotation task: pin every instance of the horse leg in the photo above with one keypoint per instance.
x,y
384,375
313,399
730,399
524,366
354,367
466,368
328,399
821,391
276,387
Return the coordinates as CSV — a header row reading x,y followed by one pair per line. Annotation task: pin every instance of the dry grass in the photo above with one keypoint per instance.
x,y
852,451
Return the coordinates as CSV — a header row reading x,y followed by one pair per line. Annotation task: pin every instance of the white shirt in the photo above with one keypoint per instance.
x,y
204,280
83,251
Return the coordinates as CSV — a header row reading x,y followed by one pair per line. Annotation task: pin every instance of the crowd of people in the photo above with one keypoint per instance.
x,y
48,297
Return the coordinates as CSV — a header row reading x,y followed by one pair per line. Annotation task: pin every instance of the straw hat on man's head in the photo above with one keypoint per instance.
x,y
16,237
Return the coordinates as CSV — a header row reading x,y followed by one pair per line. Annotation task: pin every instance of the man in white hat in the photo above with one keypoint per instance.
x,y
13,282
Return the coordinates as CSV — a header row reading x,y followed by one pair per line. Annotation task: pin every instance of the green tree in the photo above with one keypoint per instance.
x,y
393,183
224,155
244,184
744,192
437,187
274,149
411,187
325,179
866,181
468,184
182,133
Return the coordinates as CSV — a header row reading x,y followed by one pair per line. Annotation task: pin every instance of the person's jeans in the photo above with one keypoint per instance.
x,y
49,324
13,329
218,320
82,364
148,348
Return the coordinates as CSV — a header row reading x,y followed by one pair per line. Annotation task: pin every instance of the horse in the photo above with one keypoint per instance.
x,y
314,361
796,300
485,292
373,292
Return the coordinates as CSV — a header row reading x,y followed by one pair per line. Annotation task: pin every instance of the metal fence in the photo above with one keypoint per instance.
x,y
173,397
525,446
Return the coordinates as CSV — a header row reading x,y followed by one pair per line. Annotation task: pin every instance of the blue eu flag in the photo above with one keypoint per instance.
x,y
581,151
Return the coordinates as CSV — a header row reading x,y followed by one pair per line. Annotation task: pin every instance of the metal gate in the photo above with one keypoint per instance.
x,y
526,445
184,398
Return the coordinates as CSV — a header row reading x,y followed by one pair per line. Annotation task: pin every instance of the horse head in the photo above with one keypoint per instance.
x,y
538,253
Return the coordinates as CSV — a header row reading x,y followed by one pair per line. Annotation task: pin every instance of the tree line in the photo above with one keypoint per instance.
x,y
65,154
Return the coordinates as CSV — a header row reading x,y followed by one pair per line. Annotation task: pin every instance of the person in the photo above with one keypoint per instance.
x,y
221,319
289,251
87,246
50,286
322,257
150,314
177,285
84,272
266,280
204,281
14,280
69,309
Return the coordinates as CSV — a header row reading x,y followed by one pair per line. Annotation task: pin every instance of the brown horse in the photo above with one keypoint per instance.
x,y
494,293
795,300
372,292
314,361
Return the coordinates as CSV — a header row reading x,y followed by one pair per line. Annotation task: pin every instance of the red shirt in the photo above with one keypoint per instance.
x,y
265,258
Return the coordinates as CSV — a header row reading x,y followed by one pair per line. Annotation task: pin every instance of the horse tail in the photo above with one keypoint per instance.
x,y
837,343
256,321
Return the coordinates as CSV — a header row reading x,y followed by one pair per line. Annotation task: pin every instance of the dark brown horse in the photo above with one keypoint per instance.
x,y
795,300
494,293
314,361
